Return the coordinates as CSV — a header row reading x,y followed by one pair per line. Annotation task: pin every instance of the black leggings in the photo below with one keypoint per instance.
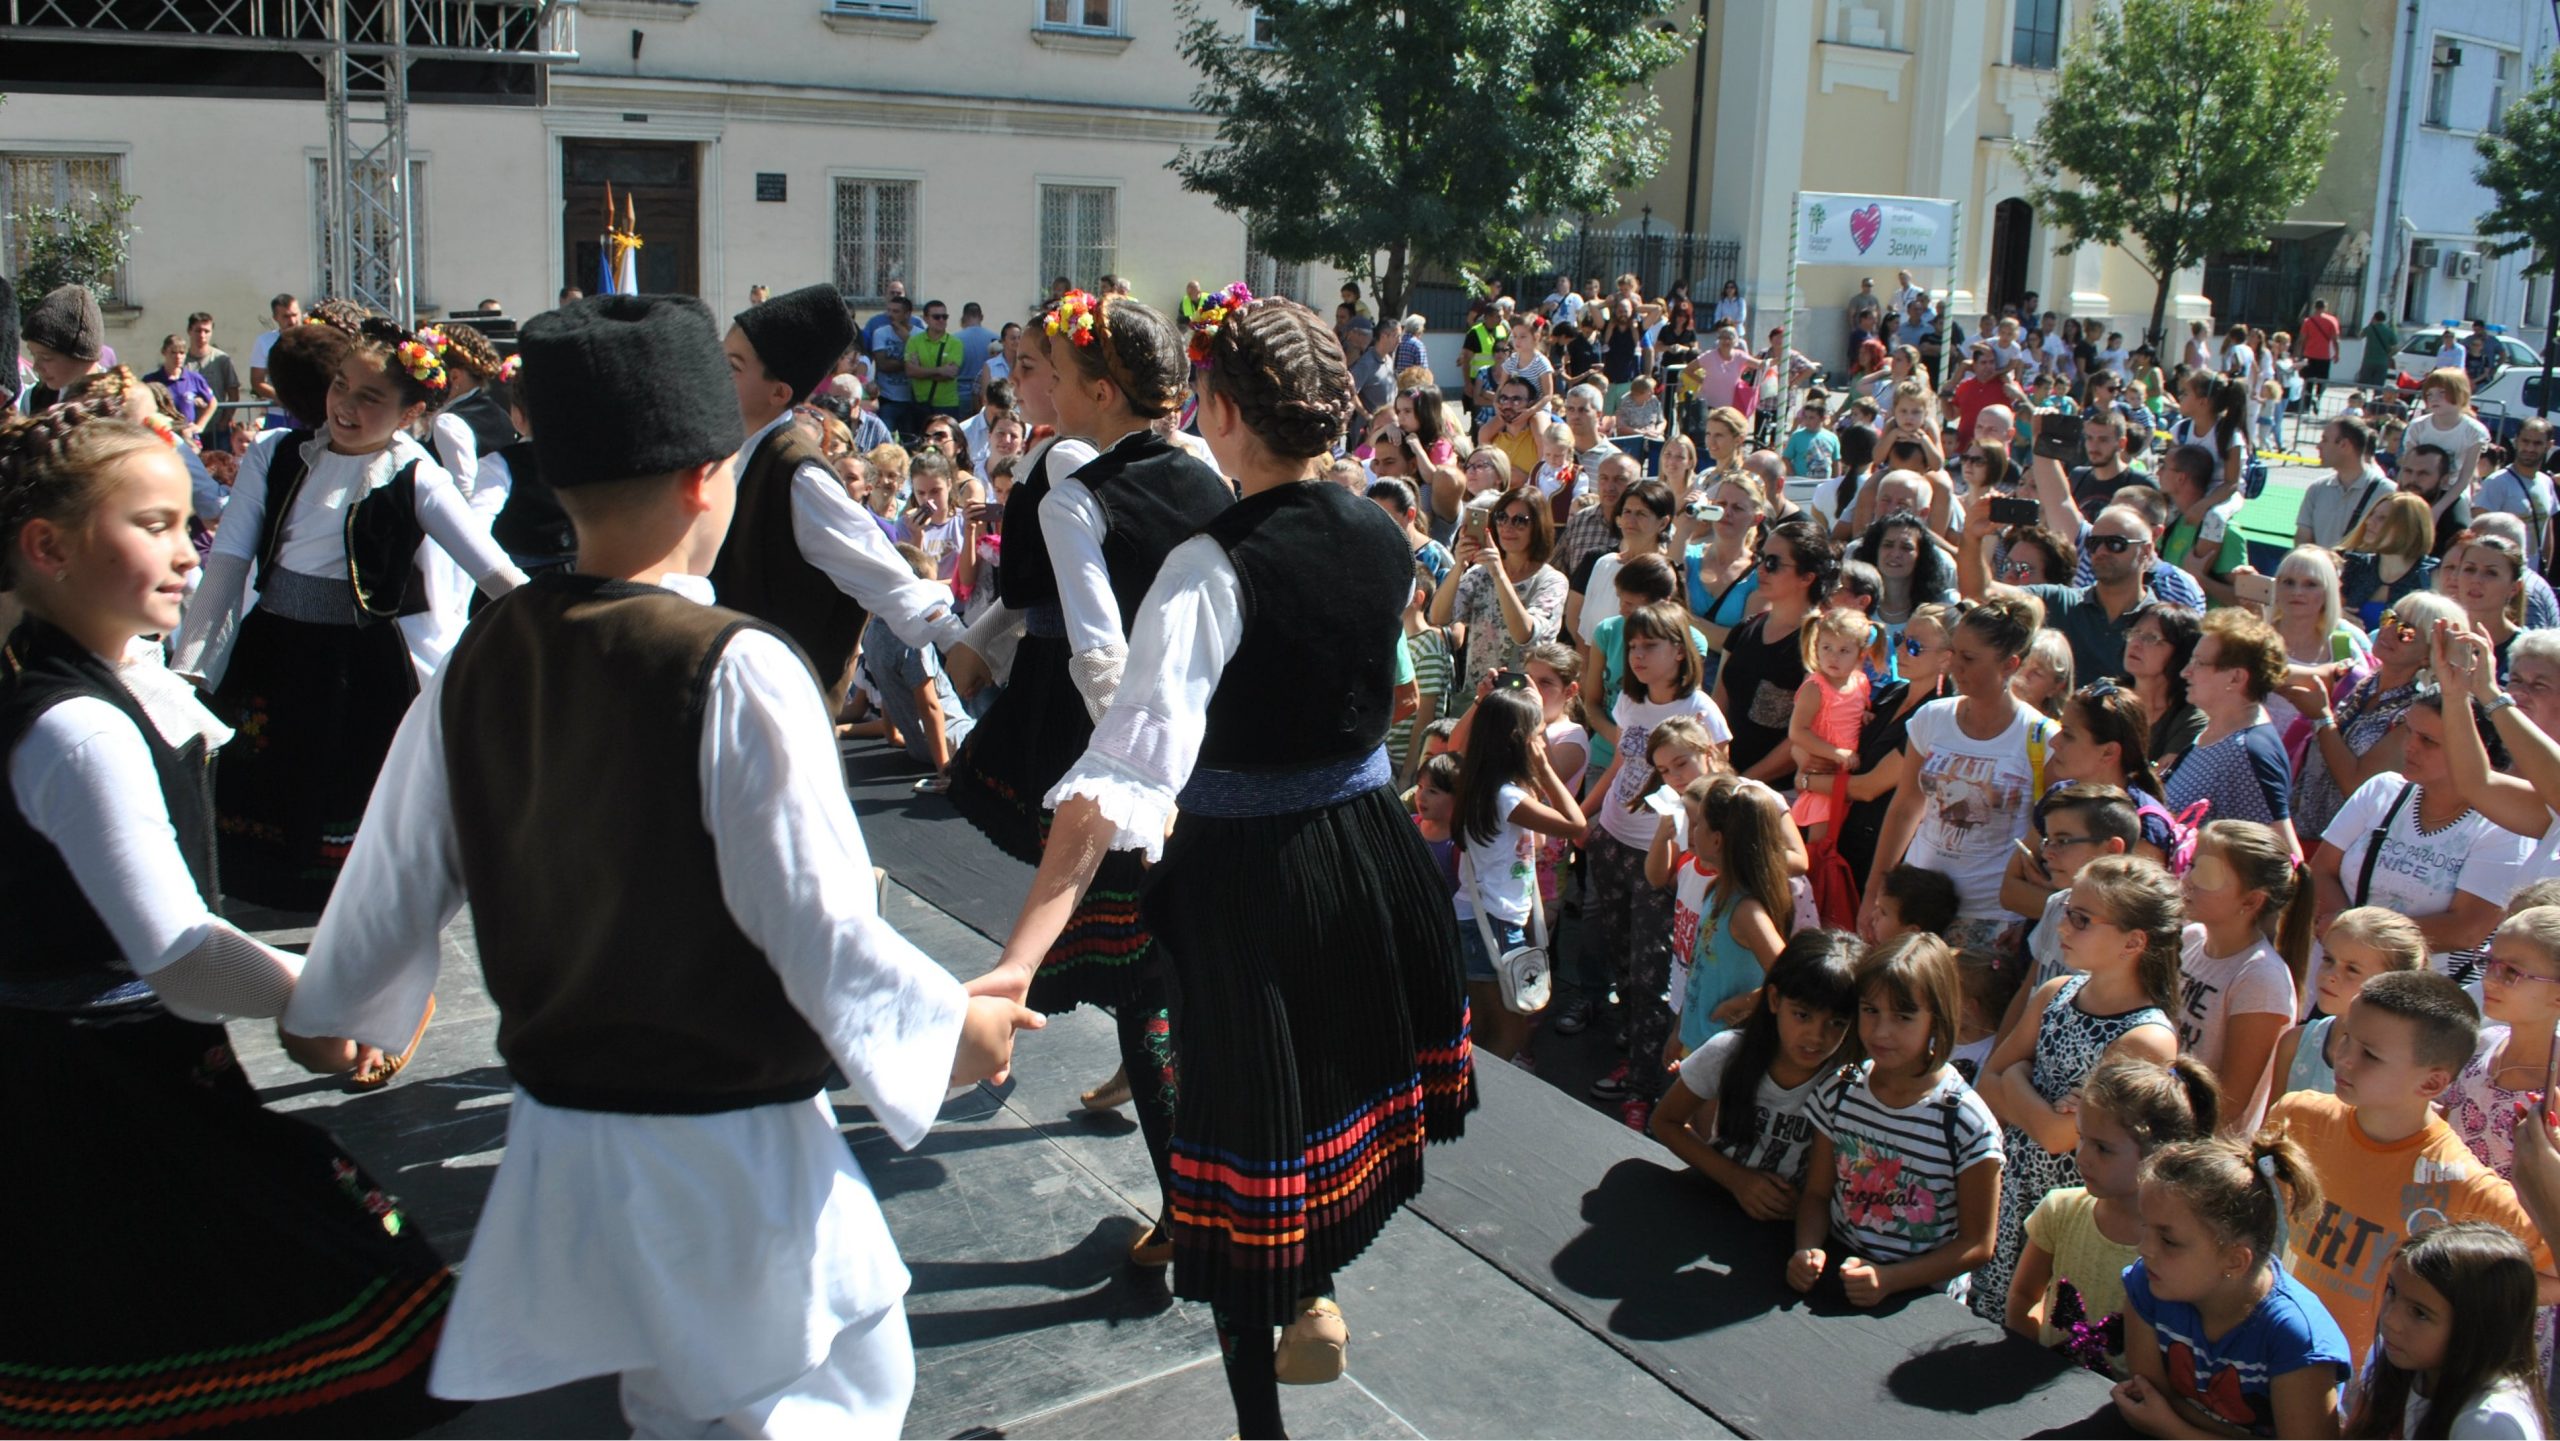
x,y
1248,1352
1146,1052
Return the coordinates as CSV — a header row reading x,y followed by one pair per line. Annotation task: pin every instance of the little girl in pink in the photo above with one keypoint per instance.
x,y
1831,705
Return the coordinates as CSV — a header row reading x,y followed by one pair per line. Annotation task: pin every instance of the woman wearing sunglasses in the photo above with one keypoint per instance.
x,y
1502,586
2362,734
1914,571
1764,657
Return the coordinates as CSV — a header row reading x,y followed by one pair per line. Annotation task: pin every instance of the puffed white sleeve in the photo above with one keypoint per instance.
x,y
380,944
797,880
841,539
463,533
490,488
1146,744
463,446
84,779
212,620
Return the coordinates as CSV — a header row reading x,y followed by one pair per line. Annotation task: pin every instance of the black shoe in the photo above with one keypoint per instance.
x,y
1573,1016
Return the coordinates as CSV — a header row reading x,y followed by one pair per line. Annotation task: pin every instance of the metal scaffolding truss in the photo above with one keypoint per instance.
x,y
363,50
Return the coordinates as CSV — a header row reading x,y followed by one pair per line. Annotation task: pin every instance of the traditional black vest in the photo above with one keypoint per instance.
x,y
761,571
573,712
1154,496
491,430
531,527
1026,578
1326,577
382,534
56,953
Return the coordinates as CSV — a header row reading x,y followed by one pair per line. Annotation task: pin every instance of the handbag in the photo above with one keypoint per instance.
x,y
1526,973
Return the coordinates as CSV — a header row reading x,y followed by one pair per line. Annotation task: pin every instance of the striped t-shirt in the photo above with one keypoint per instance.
x,y
1893,1193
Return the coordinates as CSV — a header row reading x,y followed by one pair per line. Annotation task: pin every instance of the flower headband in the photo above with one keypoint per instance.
x,y
423,358
510,368
1074,316
1204,325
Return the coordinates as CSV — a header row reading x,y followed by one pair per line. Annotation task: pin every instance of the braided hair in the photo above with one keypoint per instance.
x,y
1131,345
52,464
467,350
1279,364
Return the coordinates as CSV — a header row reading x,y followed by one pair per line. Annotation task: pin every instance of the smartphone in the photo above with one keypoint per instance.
x,y
2057,436
1473,525
1511,680
2010,510
2253,589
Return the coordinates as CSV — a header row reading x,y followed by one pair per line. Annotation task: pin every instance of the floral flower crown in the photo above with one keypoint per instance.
x,y
1075,316
422,355
1220,308
510,368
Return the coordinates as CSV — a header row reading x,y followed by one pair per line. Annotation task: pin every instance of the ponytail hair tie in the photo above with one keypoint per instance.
x,y
2267,1169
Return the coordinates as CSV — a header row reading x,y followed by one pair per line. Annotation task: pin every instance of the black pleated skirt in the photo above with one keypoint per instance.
x,y
315,707
1320,1028
183,1261
1025,744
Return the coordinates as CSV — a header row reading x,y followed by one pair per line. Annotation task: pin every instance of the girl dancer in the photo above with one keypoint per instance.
x,y
296,1302
1080,552
1324,1020
327,524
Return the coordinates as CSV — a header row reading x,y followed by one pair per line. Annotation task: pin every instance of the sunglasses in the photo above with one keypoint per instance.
x,y
1913,648
1513,517
2112,544
1773,564
2018,567
2391,621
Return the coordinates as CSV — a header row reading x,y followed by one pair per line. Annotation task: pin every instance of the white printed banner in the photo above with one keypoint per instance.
x,y
1892,231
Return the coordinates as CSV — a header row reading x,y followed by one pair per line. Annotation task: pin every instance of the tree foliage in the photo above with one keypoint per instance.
x,y
2181,129
1451,133
73,245
2521,168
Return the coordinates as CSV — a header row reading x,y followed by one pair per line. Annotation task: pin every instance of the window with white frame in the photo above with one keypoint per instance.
x,y
1257,29
886,9
875,236
82,184
2502,75
1264,275
2035,36
1093,17
371,232
1079,234
2442,66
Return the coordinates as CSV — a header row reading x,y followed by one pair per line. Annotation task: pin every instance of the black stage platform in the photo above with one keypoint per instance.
x,y
1558,1276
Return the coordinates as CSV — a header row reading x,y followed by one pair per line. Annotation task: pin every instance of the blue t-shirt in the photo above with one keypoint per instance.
x,y
2233,1377
2245,775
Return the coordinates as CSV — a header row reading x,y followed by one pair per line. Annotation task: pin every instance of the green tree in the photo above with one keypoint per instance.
x,y
2521,167
73,245
2182,129
1450,133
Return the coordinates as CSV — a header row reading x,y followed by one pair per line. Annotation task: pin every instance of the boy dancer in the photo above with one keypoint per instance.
x,y
639,795
801,555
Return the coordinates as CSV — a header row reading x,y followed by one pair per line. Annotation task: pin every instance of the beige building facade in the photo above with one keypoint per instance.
x,y
968,149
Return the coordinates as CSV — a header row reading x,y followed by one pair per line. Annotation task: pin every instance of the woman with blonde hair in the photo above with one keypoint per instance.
x,y
1728,437
2306,610
2391,553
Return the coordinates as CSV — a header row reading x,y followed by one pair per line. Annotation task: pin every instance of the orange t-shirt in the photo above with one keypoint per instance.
x,y
2373,1196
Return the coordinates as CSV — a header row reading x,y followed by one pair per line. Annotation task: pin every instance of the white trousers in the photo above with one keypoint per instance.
x,y
860,1390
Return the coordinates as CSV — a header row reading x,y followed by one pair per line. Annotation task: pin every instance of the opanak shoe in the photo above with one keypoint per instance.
x,y
1153,1250
1311,1349
1111,1095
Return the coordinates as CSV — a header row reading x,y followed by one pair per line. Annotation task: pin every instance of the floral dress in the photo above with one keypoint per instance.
x,y
1489,644
2366,716
2483,1114
2069,1042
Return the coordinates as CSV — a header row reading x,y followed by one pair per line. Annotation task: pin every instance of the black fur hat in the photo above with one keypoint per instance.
x,y
622,386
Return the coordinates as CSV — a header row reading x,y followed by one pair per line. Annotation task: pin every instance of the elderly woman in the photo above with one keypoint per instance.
x,y
2239,762
2485,576
2391,553
2362,734
1502,589
2307,611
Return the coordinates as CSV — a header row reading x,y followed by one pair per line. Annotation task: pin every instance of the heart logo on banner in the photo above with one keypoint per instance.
x,y
1865,225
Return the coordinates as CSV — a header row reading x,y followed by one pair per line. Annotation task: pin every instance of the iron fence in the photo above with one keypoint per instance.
x,y
1658,259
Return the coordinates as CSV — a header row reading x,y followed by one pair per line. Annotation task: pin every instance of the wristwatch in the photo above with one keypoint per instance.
x,y
2496,703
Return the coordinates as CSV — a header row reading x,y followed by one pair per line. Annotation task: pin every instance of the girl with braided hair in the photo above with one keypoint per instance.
x,y
468,429
328,525
259,1281
1323,1026
1081,550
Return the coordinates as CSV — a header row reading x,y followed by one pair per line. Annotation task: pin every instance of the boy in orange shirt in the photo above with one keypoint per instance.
x,y
2388,1164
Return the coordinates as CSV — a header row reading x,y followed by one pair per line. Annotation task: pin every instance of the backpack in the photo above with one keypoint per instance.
x,y
2184,826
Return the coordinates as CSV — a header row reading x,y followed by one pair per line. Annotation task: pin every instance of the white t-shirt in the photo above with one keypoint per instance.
x,y
2466,438
1600,594
260,347
2216,525
1690,883
2502,1413
2213,989
1979,797
2419,874
1567,732
2527,497
1505,867
1893,1193
1620,816
1783,1131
